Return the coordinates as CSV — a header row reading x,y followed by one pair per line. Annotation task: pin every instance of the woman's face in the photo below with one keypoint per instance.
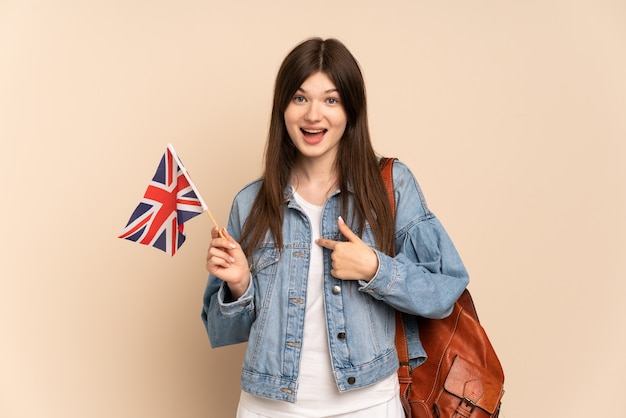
x,y
315,118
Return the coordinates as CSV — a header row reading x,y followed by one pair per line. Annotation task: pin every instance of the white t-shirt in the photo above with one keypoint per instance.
x,y
318,395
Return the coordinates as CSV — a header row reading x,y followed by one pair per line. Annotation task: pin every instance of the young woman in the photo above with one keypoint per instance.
x,y
302,272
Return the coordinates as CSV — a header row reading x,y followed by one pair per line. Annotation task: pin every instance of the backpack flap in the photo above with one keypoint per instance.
x,y
474,385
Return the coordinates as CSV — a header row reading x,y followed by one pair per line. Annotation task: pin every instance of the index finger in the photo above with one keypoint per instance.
x,y
326,243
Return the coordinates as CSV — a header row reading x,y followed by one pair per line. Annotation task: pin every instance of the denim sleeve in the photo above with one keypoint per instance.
x,y
427,275
228,321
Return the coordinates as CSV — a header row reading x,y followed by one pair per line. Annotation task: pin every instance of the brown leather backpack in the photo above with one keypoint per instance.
x,y
462,376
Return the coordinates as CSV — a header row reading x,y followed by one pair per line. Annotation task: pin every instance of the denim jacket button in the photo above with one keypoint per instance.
x,y
341,335
336,290
351,380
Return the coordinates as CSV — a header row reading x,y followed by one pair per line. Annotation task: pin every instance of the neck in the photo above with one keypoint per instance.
x,y
314,182
315,170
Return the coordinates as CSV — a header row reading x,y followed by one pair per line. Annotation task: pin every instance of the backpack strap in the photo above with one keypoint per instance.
x,y
404,369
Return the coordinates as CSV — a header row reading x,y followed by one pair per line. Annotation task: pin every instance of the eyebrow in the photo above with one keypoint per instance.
x,y
300,89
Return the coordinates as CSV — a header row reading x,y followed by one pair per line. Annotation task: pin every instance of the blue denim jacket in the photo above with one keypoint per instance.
x,y
424,278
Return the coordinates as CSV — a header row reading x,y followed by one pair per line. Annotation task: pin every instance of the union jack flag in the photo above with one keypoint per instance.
x,y
170,200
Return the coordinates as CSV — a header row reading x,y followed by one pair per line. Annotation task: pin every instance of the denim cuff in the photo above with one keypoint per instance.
x,y
383,279
232,307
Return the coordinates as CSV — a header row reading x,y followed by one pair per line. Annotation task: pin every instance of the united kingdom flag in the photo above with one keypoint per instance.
x,y
170,200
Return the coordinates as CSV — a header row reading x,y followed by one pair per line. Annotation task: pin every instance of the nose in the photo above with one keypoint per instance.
x,y
313,112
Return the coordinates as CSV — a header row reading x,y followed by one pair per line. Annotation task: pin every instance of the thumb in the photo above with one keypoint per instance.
x,y
231,241
346,231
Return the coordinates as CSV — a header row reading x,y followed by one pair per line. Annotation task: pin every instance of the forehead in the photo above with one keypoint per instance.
x,y
318,82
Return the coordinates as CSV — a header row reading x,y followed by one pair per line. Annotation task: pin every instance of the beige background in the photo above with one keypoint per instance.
x,y
512,114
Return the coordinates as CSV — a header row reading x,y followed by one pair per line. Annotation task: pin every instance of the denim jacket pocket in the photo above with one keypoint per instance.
x,y
264,257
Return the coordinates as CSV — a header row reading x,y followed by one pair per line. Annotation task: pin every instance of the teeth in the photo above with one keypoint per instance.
x,y
313,131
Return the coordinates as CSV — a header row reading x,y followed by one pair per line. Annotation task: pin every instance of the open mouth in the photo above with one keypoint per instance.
x,y
313,131
313,136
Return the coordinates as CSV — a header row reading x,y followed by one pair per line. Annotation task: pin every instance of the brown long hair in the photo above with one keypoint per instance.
x,y
356,161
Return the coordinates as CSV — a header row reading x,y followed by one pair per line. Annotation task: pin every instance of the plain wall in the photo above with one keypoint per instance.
x,y
512,115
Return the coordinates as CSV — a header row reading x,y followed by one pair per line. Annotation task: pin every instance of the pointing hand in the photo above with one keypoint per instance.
x,y
352,259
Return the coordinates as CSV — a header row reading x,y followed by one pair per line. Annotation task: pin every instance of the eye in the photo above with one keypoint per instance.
x,y
332,100
298,99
